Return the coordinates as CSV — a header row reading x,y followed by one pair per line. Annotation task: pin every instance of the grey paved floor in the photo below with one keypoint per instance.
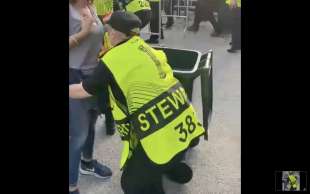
x,y
216,163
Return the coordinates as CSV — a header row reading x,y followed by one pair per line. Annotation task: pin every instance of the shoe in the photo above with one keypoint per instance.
x,y
152,41
233,50
194,143
96,169
180,173
74,192
193,28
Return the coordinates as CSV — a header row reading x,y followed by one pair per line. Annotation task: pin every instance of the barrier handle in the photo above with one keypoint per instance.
x,y
206,77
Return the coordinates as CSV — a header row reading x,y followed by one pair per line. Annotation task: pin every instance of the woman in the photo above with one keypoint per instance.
x,y
85,40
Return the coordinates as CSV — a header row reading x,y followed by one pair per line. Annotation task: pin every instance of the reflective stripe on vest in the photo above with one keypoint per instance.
x,y
137,5
238,2
158,113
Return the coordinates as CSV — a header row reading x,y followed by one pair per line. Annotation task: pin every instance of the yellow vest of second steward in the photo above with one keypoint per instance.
x,y
137,5
158,113
103,7
238,3
293,181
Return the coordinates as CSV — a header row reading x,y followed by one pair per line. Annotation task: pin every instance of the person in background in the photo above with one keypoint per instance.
x,y
85,40
168,7
154,24
235,7
140,8
105,8
204,11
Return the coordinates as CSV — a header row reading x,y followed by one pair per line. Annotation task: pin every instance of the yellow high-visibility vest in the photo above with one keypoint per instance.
x,y
293,181
137,5
103,7
238,3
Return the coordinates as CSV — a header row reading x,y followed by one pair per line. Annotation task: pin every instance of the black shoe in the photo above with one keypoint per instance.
x,y
194,143
233,50
180,173
193,28
152,41
96,169
74,192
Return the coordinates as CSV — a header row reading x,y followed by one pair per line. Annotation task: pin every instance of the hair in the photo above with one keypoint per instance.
x,y
74,1
131,34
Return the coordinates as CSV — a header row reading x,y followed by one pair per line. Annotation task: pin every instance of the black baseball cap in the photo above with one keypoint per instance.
x,y
125,22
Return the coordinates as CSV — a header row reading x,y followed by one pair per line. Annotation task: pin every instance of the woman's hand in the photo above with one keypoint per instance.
x,y
87,21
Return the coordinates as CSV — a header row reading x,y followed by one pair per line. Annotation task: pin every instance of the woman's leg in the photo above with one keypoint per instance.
x,y
78,132
88,148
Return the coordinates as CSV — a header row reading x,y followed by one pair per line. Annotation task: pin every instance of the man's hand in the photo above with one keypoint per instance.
x,y
77,91
233,4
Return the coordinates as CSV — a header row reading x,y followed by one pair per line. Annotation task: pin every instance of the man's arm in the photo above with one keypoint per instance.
x,y
91,86
77,91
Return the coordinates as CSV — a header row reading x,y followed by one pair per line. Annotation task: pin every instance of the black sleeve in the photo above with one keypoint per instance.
x,y
116,6
98,81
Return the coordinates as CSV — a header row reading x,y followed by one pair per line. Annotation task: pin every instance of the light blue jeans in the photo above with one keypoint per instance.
x,y
83,114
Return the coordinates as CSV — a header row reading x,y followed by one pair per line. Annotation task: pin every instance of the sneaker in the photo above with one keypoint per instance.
x,y
152,41
193,28
96,169
180,173
74,192
194,143
233,50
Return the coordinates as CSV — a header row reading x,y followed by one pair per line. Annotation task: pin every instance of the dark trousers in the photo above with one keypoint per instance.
x,y
236,28
154,24
204,12
168,7
141,176
144,16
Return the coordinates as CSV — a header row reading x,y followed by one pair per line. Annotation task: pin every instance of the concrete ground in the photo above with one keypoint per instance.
x,y
217,162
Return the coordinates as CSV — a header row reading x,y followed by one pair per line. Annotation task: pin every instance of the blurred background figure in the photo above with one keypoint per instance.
x,y
168,7
105,8
235,7
140,8
154,24
204,11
